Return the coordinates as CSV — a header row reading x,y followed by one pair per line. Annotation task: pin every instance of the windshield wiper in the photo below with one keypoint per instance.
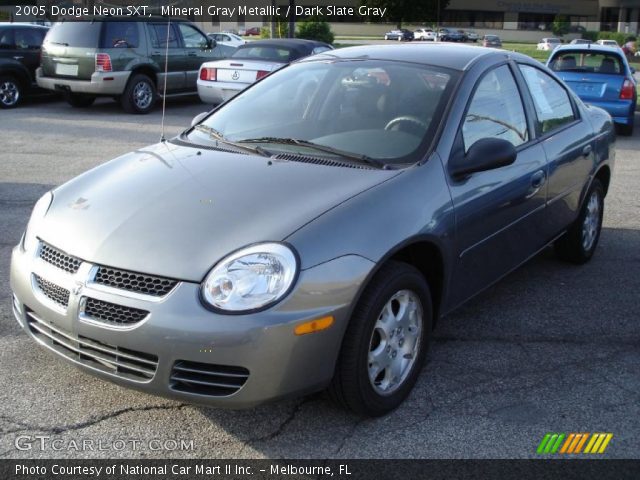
x,y
218,137
64,44
316,146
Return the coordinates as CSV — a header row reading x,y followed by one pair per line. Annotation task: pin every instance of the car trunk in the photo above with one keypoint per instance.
x,y
243,71
69,50
601,86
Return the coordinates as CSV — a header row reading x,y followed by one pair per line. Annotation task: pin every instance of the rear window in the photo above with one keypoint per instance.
x,y
120,35
75,34
587,62
268,54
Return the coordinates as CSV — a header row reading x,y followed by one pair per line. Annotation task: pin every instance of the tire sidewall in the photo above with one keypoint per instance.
x,y
376,404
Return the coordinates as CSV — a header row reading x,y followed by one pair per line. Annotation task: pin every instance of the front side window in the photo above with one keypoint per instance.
x,y
192,38
551,100
377,109
163,34
496,110
6,39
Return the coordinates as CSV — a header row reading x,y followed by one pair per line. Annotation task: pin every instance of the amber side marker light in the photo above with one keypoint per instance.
x,y
314,325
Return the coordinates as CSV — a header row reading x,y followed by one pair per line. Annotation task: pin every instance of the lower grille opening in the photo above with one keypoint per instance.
x,y
107,312
118,361
53,292
207,379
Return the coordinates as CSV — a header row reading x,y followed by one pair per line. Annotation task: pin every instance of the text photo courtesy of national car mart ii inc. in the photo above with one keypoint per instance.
x,y
229,12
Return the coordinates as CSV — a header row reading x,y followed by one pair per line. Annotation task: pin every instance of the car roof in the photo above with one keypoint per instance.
x,y
456,57
22,24
591,47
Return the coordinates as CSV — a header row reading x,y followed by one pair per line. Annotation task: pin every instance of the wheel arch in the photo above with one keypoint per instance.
x,y
147,70
604,175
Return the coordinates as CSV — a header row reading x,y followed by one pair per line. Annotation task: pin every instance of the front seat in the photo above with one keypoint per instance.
x,y
608,65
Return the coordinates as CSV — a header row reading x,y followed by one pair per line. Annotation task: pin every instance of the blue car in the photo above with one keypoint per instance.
x,y
600,76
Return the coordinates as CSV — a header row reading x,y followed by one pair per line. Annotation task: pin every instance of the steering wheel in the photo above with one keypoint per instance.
x,y
415,124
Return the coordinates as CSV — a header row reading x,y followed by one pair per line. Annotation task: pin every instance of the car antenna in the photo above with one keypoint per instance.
x,y
164,88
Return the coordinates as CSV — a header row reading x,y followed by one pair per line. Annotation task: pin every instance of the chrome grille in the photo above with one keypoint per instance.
x,y
207,379
111,313
118,361
134,282
52,291
59,259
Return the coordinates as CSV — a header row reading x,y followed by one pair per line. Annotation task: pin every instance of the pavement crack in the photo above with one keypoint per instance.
x,y
87,423
348,436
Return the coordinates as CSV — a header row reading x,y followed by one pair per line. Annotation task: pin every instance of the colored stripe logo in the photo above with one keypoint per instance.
x,y
573,443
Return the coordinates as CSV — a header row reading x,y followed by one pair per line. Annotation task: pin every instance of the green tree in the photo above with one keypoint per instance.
x,y
314,29
402,11
560,25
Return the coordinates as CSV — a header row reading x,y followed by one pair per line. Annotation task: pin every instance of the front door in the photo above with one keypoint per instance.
x,y
498,212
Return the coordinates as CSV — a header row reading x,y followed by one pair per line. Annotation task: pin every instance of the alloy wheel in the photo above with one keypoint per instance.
x,y
142,95
9,93
395,342
591,223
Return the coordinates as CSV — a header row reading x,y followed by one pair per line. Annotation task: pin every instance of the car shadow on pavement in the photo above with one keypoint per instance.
x,y
513,357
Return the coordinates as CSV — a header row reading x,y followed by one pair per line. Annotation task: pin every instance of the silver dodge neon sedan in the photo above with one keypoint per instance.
x,y
309,233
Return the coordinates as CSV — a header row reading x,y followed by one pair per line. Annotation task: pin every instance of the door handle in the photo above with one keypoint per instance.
x,y
538,179
18,57
192,54
586,151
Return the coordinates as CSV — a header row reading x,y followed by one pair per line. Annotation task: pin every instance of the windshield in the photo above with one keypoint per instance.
x,y
589,62
371,109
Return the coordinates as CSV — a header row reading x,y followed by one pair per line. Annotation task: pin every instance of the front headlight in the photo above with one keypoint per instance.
x,y
40,209
252,278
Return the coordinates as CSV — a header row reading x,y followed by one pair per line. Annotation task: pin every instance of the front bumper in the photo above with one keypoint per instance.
x,y
179,329
218,92
109,83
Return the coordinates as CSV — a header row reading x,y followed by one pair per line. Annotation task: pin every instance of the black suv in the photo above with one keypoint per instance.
x,y
19,58
124,59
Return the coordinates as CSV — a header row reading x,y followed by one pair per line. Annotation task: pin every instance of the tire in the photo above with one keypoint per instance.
x,y
579,243
359,384
140,95
79,100
10,91
626,129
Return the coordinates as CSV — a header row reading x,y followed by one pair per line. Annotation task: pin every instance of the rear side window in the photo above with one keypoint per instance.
x,y
587,62
158,33
496,110
191,37
553,106
120,35
75,34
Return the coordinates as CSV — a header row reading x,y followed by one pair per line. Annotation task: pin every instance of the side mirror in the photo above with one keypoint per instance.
x,y
211,43
633,70
198,118
485,154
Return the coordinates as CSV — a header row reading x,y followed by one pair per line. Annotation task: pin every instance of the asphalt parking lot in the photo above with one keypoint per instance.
x,y
551,348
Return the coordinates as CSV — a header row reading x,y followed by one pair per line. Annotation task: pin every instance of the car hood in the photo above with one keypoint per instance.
x,y
175,211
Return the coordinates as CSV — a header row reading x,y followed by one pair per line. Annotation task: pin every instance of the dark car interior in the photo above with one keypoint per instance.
x,y
591,62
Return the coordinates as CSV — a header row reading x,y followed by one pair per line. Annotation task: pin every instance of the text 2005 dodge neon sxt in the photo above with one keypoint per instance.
x,y
308,233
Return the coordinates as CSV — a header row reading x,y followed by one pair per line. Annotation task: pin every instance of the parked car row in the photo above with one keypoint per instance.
x,y
134,63
428,34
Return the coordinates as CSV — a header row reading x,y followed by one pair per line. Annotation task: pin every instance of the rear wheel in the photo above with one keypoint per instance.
x,y
581,240
626,129
79,100
140,95
10,92
386,342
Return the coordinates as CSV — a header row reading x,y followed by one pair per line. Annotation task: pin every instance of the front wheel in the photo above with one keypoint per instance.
x,y
386,342
10,92
581,240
